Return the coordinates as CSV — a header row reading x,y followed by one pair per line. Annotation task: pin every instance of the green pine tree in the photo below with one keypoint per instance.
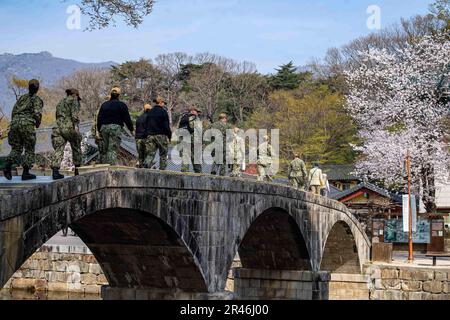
x,y
287,78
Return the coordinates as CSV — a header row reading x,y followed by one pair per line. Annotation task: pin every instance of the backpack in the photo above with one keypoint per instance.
x,y
185,123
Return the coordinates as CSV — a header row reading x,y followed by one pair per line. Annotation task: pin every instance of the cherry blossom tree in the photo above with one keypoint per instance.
x,y
398,103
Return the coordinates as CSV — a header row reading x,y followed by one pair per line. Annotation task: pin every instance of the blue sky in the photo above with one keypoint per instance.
x,y
267,32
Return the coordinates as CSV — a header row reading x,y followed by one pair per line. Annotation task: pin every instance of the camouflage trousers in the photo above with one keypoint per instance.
x,y
111,136
186,161
263,173
60,138
221,169
235,170
141,151
153,144
20,138
297,183
101,151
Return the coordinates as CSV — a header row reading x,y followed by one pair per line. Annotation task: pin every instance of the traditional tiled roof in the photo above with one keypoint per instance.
x,y
369,186
340,172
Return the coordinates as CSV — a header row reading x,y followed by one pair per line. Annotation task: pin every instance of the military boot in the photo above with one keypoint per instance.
x,y
27,175
76,173
7,171
56,175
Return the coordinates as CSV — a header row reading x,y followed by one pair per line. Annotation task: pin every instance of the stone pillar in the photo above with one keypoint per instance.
x,y
110,293
252,284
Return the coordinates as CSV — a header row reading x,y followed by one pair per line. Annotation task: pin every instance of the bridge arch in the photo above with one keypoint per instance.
x,y
340,254
128,216
274,241
139,250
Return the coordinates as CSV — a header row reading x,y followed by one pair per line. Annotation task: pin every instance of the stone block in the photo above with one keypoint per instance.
x,y
73,267
379,284
392,295
58,286
22,283
89,258
92,289
95,269
414,274
433,286
415,296
411,285
389,274
41,285
60,266
375,273
74,277
88,279
75,287
440,276
255,283
101,279
84,267
393,284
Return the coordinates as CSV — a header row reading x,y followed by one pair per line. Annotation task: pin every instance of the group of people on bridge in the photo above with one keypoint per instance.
x,y
152,132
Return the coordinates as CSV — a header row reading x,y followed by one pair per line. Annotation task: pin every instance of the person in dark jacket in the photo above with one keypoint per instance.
x,y
159,134
141,137
111,119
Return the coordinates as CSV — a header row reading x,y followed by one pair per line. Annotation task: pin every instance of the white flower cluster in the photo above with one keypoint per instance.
x,y
395,101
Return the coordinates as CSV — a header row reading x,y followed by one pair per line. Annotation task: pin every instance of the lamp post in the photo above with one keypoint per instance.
x,y
410,237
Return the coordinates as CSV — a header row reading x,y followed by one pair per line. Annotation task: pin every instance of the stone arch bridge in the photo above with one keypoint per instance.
x,y
172,232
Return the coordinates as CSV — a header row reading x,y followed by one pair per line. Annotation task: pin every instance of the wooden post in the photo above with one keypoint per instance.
x,y
410,237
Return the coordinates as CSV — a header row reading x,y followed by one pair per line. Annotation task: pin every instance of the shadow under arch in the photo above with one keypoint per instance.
x,y
138,250
340,254
274,241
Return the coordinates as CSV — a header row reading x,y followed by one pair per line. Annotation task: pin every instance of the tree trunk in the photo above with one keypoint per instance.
x,y
429,188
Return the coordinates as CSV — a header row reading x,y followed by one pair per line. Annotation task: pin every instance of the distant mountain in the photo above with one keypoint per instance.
x,y
43,66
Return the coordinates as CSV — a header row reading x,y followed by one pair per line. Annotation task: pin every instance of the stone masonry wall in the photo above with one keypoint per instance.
x,y
251,284
60,269
408,283
349,287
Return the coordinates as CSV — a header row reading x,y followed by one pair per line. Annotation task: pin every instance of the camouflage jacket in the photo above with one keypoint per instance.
x,y
196,125
222,127
67,113
27,111
297,169
265,153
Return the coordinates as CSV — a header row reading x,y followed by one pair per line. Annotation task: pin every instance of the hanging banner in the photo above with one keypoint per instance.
x,y
406,213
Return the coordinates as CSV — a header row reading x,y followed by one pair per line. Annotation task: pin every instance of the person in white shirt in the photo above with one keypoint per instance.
x,y
316,180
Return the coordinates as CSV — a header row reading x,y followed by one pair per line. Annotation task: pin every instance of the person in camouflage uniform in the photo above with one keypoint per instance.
x,y
265,152
237,150
222,126
141,137
67,131
297,173
194,125
111,119
96,134
159,134
26,117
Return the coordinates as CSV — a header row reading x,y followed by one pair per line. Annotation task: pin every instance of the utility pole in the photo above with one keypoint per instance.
x,y
410,237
